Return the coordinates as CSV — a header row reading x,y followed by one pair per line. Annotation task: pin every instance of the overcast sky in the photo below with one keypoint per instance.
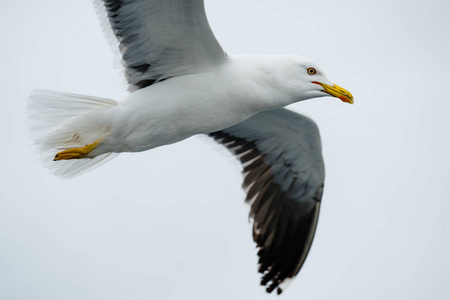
x,y
171,223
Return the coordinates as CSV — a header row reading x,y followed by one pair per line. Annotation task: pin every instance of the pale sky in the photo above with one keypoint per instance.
x,y
171,223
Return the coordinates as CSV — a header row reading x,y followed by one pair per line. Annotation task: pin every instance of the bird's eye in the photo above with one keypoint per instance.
x,y
311,71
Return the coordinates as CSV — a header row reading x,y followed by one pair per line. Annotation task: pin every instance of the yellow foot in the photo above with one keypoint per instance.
x,y
77,152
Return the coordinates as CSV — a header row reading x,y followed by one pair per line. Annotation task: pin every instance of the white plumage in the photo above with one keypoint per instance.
x,y
183,84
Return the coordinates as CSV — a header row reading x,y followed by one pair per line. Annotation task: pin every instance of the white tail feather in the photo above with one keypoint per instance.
x,y
48,112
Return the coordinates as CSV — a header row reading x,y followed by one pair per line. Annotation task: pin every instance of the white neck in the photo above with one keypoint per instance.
x,y
268,81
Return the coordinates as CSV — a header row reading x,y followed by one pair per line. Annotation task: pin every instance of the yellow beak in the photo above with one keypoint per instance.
x,y
337,91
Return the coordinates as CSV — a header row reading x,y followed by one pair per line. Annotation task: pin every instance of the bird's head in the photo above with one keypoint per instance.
x,y
306,80
319,85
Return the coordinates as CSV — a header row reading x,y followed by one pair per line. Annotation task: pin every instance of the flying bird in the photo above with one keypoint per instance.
x,y
183,83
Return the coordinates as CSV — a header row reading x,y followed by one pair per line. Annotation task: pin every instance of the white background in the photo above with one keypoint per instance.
x,y
170,223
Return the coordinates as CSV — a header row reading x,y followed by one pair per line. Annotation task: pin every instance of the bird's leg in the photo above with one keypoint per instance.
x,y
77,152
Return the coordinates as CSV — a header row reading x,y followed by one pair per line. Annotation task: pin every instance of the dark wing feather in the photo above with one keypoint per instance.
x,y
283,175
159,39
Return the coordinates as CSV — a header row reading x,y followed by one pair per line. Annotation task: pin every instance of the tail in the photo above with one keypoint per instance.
x,y
49,114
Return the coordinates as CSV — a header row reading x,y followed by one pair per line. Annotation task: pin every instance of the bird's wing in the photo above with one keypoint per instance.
x,y
283,176
159,39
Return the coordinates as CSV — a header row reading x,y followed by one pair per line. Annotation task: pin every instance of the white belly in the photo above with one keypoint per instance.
x,y
173,110
180,107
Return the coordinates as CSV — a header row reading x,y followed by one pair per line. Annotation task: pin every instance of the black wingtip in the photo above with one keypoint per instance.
x,y
271,287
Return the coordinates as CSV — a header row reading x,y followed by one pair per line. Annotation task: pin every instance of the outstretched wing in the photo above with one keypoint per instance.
x,y
283,175
159,39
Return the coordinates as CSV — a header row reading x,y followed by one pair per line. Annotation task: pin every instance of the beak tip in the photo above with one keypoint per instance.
x,y
337,91
346,99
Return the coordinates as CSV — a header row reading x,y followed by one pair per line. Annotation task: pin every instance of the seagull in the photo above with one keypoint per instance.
x,y
183,83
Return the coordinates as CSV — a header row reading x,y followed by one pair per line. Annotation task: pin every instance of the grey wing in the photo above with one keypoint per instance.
x,y
284,173
160,38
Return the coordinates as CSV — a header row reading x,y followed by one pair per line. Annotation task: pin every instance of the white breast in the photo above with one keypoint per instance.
x,y
180,107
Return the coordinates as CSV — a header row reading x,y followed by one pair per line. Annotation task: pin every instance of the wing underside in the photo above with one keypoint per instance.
x,y
283,176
